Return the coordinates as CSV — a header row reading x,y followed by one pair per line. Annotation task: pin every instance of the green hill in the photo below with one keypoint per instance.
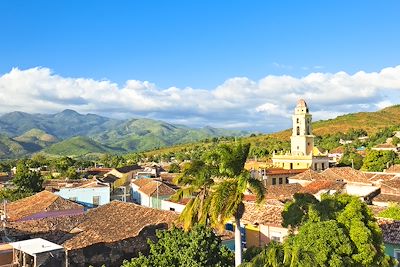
x,y
78,146
37,137
10,148
372,122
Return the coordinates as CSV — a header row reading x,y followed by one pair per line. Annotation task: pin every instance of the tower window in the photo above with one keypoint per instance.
x,y
297,120
298,130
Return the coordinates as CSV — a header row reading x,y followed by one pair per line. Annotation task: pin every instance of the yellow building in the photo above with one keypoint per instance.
x,y
303,155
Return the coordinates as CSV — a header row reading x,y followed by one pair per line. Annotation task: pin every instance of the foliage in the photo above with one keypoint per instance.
x,y
353,218
174,168
199,247
377,161
71,173
112,161
26,180
351,158
295,212
13,194
392,212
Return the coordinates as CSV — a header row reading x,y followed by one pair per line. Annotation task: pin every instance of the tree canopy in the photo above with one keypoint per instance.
x,y
339,230
196,248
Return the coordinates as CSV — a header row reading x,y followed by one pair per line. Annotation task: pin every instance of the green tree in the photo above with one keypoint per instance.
x,y
392,212
218,184
352,159
196,248
26,180
71,173
377,161
356,220
174,168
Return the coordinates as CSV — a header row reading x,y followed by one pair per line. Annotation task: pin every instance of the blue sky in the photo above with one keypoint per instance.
x,y
201,45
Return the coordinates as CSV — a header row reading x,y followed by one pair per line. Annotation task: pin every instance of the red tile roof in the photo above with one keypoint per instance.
x,y
154,188
282,192
386,198
394,169
346,174
41,202
316,186
309,175
263,214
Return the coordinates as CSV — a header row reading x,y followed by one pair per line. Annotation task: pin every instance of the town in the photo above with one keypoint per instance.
x,y
105,215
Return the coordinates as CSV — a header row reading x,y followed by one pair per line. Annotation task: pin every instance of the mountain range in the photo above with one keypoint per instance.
x,y
74,134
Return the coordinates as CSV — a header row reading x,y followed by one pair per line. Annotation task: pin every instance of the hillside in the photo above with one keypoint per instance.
x,y
78,146
372,122
58,134
369,121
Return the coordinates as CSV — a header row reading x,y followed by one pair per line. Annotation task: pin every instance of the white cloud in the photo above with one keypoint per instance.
x,y
238,102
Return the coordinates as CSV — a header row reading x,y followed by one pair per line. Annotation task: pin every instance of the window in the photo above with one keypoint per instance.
x,y
287,180
275,236
396,254
298,130
172,209
273,181
72,198
280,180
297,120
96,200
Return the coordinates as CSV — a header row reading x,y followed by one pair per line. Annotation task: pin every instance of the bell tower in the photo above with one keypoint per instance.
x,y
302,140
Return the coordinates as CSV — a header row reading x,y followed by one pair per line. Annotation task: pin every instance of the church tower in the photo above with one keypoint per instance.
x,y
302,140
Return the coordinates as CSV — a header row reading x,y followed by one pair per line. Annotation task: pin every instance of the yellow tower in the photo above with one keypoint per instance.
x,y
302,140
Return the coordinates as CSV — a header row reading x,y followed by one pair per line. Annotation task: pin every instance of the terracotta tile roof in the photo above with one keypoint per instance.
x,y
44,201
263,214
385,146
394,169
114,222
391,185
308,175
141,182
282,192
159,188
316,186
55,229
387,198
346,174
379,177
56,184
376,209
390,230
127,169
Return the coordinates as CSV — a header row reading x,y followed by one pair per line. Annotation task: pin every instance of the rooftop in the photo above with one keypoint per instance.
x,y
263,214
35,246
318,185
386,198
394,169
280,171
154,188
44,201
129,168
113,222
390,230
283,192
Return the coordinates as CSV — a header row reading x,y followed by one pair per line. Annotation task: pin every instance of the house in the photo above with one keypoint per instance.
x,y
281,193
177,206
41,205
391,236
386,147
104,235
275,176
89,193
263,224
320,187
389,192
150,192
127,172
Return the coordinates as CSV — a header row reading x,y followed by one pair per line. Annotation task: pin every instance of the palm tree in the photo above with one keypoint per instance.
x,y
227,203
218,185
197,181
